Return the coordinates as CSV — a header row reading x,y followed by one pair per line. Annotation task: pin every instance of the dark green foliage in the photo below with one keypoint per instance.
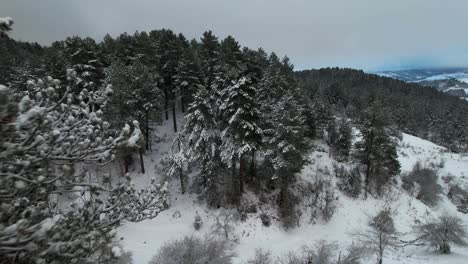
x,y
266,219
376,151
350,181
344,141
411,108
287,202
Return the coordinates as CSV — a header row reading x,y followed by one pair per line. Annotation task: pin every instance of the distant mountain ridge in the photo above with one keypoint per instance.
x,y
453,81
418,75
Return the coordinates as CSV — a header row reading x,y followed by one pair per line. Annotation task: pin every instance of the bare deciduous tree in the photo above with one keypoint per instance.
x,y
223,224
380,236
443,232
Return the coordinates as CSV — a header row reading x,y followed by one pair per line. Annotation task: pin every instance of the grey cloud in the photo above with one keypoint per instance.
x,y
366,34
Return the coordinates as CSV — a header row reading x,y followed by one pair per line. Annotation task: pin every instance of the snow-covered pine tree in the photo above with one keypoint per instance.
x,y
136,96
241,133
286,150
344,141
84,56
203,144
177,161
169,52
231,57
41,144
6,25
376,151
208,55
187,78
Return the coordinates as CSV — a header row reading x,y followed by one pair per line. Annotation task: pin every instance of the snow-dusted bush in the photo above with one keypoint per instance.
x,y
459,197
321,252
119,256
261,257
321,199
266,219
350,181
354,255
423,182
193,250
52,131
198,222
443,232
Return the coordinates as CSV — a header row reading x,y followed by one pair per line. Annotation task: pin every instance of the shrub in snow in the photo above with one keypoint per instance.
x,y
423,182
193,250
459,197
350,182
246,208
119,256
52,131
443,232
261,257
198,223
321,252
321,195
265,218
354,254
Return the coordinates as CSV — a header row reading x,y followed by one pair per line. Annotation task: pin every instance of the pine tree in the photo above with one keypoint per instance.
x,y
169,52
241,133
286,150
208,55
187,79
376,151
203,143
42,144
344,141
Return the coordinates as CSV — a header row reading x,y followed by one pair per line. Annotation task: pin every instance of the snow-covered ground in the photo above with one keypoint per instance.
x,y
145,238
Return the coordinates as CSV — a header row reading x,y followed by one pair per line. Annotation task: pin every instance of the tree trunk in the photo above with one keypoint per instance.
x,y
205,181
366,182
182,182
370,143
126,163
241,174
166,102
141,161
174,116
181,172
234,182
147,130
182,99
252,166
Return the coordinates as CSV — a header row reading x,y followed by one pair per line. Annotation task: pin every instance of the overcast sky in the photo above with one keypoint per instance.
x,y
367,34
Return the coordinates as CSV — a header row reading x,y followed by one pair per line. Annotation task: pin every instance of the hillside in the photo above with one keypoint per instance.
x,y
419,75
145,238
411,108
452,87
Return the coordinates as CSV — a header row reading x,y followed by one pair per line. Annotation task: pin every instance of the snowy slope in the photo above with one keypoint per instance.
x,y
144,238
